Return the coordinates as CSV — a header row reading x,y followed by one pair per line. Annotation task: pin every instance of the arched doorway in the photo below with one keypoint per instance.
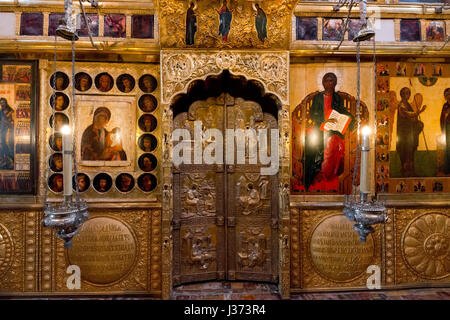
x,y
225,214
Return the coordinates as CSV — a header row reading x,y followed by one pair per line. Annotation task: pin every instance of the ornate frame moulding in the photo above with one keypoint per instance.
x,y
136,195
26,5
397,9
128,44
178,70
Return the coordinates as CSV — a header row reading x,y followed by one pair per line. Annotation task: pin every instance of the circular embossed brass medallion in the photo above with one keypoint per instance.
x,y
6,250
336,251
426,245
105,250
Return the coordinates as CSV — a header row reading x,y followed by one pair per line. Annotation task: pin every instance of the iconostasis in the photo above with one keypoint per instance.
x,y
117,131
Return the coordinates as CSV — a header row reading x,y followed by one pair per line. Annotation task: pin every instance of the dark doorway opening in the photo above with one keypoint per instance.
x,y
236,86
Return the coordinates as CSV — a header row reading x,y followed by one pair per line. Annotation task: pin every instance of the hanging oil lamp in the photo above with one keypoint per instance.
x,y
360,210
67,216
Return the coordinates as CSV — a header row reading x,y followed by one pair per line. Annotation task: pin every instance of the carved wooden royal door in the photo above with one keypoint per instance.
x,y
225,218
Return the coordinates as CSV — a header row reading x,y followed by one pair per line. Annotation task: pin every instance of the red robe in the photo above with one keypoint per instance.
x,y
333,159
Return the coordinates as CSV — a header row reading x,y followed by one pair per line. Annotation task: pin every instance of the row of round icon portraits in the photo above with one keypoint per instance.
x,y
147,142
104,82
147,123
55,162
147,103
59,101
59,81
103,182
147,162
58,120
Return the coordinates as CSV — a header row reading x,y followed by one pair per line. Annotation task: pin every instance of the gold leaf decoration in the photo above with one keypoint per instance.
x,y
242,33
426,246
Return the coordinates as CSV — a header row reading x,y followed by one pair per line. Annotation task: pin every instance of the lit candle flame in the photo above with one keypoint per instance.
x,y
65,129
366,131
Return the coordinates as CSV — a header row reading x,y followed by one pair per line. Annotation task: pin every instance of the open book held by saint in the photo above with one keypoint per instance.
x,y
340,125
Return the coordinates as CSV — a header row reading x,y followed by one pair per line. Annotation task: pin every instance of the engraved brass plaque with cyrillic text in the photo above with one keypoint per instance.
x,y
105,250
336,251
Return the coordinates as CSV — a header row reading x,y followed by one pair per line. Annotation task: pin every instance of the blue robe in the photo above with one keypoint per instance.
x,y
261,24
7,138
191,26
225,17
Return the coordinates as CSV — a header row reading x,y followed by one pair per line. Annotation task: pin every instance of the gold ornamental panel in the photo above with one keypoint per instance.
x,y
295,248
18,251
105,250
389,245
424,243
117,251
6,250
179,69
258,24
330,253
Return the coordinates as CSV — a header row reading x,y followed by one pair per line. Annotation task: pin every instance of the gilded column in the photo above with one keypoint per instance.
x,y
31,252
167,203
389,249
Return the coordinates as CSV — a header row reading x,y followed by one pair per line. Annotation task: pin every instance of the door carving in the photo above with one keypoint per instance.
x,y
225,217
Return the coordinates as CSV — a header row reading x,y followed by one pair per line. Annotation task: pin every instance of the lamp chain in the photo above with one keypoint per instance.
x,y
86,21
53,99
358,117
375,109
77,196
347,20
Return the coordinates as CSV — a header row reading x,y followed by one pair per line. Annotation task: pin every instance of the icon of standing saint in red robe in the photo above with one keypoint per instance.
x,y
325,149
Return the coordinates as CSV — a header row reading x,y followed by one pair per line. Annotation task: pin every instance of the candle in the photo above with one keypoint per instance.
x,y
67,160
364,186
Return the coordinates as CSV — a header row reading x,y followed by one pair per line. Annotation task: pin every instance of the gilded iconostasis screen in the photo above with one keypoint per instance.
x,y
17,127
117,131
413,127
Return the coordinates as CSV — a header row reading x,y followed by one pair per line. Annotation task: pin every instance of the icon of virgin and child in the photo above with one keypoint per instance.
x,y
97,143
